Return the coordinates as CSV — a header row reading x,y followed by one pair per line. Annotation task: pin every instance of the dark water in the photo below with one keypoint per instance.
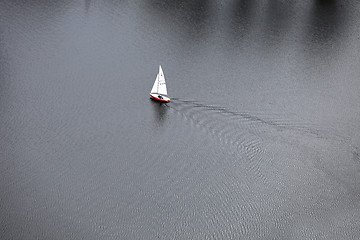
x,y
261,140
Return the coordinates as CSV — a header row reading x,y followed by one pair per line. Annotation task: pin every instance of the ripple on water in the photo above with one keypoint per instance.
x,y
277,162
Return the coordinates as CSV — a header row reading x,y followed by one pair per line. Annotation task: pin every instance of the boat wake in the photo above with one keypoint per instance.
x,y
261,138
194,108
249,165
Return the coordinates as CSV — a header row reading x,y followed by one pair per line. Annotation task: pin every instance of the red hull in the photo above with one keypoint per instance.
x,y
158,99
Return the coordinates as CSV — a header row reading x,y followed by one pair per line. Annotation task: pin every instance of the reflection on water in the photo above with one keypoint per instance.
x,y
188,18
241,16
278,18
327,23
87,5
160,111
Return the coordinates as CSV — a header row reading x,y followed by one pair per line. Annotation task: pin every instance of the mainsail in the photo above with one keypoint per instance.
x,y
159,84
162,84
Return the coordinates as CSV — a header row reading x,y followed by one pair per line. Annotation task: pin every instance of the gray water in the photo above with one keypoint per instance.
x,y
261,139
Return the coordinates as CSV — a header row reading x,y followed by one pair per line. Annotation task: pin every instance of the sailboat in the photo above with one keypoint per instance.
x,y
159,91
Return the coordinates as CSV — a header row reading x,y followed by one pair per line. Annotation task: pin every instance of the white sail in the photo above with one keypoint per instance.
x,y
162,84
156,85
159,91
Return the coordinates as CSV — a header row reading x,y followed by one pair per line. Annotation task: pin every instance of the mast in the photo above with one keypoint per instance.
x,y
158,83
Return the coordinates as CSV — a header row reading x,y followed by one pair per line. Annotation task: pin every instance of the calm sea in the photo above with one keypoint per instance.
x,y
261,139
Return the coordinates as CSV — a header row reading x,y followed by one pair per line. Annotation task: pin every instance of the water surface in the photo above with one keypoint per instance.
x,y
260,141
